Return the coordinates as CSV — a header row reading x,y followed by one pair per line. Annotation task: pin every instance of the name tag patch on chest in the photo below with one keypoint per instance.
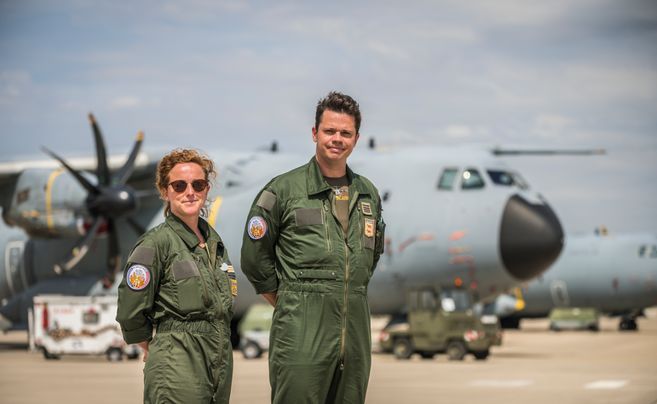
x,y
257,228
137,277
366,208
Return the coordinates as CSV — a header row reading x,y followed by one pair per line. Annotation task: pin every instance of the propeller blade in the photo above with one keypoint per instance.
x,y
139,229
126,171
80,249
91,188
114,252
102,171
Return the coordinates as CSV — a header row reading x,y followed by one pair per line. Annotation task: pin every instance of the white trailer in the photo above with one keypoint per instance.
x,y
83,325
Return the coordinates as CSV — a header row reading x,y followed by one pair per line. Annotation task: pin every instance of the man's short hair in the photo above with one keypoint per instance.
x,y
338,102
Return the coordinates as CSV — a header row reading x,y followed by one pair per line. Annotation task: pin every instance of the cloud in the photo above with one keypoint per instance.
x,y
13,85
125,102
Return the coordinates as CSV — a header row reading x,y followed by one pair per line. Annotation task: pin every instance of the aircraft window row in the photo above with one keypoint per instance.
x,y
647,251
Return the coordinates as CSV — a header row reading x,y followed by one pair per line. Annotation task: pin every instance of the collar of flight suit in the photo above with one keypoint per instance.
x,y
187,235
315,182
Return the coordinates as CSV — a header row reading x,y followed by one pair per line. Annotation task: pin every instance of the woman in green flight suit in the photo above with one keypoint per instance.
x,y
179,282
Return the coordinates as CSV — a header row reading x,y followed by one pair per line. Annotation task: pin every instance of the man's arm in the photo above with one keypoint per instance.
x,y
258,256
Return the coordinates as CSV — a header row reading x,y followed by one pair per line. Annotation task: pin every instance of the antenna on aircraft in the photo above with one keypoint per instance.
x,y
546,152
274,147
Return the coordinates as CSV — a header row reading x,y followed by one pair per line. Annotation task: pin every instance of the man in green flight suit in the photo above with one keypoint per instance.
x,y
179,281
312,240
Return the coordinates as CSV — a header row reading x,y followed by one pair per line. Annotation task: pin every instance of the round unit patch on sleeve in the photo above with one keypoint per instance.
x,y
257,227
137,277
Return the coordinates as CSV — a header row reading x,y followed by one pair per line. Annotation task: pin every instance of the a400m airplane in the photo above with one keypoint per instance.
x,y
455,216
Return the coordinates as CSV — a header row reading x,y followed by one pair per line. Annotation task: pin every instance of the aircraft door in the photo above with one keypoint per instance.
x,y
559,293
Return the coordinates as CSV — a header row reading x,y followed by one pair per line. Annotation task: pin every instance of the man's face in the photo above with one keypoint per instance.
x,y
187,203
336,137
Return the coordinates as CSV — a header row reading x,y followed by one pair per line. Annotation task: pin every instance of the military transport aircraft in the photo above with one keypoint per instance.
x,y
456,217
616,274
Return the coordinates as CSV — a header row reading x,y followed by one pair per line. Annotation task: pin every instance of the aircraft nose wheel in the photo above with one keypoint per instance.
x,y
627,324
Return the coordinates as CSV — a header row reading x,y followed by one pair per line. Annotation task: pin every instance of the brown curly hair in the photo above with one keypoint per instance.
x,y
178,156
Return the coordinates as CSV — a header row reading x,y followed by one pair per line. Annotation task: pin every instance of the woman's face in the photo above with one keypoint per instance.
x,y
188,202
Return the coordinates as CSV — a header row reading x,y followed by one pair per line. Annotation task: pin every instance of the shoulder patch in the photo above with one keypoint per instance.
x,y
137,277
267,200
142,255
257,228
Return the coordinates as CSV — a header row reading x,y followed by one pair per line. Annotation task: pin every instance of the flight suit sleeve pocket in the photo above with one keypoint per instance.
x,y
317,274
308,216
184,269
142,255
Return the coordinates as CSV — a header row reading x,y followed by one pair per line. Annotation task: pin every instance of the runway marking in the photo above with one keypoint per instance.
x,y
502,383
605,384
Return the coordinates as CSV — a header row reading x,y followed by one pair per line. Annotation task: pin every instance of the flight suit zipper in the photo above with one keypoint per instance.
x,y
206,298
345,306
326,225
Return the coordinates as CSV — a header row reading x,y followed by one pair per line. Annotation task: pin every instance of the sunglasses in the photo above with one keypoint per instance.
x,y
181,185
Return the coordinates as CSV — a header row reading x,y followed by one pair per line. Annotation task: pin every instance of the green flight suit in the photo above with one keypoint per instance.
x,y
183,291
294,244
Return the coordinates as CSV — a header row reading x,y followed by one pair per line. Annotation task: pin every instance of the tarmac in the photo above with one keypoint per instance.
x,y
534,365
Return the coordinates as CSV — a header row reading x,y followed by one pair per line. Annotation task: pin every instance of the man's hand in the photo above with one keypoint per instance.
x,y
144,347
270,297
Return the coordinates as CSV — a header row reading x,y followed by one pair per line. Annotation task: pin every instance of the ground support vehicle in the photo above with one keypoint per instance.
x,y
574,318
77,325
254,330
439,321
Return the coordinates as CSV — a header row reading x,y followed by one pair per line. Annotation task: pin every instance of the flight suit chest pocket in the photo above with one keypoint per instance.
x,y
189,286
308,216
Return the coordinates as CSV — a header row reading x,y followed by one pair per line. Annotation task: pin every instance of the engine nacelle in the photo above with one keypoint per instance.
x,y
48,203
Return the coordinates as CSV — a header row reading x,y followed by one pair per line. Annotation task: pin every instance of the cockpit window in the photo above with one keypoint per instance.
x,y
519,181
471,179
447,178
507,178
501,177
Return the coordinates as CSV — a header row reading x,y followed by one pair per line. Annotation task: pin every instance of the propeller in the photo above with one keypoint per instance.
x,y
109,200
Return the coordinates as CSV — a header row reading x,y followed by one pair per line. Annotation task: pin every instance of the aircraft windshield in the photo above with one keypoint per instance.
x,y
447,179
455,300
471,179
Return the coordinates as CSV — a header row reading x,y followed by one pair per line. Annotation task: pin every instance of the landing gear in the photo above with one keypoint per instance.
x,y
627,324
509,322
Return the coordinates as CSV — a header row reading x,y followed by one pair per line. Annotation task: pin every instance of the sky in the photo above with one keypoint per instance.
x,y
236,75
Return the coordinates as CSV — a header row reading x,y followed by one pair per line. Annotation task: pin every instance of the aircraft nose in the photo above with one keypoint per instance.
x,y
531,237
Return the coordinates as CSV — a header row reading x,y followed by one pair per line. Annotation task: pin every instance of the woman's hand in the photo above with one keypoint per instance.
x,y
144,347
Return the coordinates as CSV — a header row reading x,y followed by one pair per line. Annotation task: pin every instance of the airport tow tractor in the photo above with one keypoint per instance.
x,y
439,321
574,318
